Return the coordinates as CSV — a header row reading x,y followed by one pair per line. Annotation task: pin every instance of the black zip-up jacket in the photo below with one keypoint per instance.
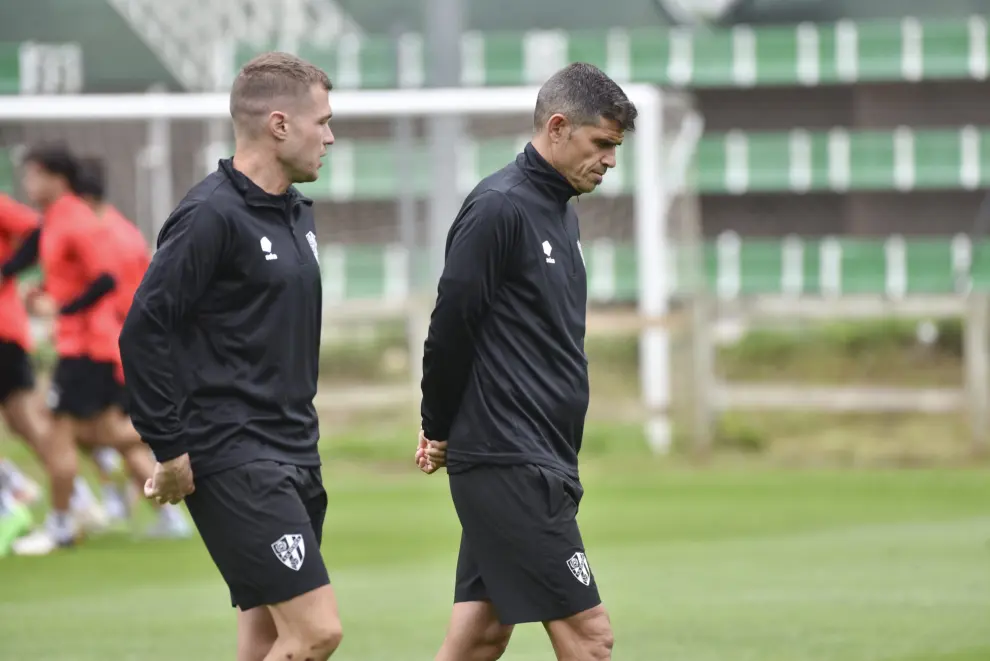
x,y
221,345
505,376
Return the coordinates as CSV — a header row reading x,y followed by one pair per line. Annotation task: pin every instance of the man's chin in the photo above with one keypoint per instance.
x,y
307,177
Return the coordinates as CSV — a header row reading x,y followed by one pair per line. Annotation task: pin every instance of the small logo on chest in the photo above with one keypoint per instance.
x,y
266,247
311,238
547,249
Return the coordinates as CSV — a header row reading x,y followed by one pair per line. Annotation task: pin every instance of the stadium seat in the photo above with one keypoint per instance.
x,y
10,68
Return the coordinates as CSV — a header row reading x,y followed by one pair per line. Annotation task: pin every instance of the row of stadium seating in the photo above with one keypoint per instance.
x,y
732,267
734,163
884,50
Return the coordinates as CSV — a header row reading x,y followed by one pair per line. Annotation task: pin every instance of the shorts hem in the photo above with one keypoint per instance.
x,y
551,616
277,596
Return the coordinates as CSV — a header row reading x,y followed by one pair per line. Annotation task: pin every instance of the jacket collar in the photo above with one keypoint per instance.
x,y
254,195
544,175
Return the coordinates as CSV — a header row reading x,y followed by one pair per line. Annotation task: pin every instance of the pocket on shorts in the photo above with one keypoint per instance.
x,y
263,477
556,495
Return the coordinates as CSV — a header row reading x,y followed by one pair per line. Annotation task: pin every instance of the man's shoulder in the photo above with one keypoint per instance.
x,y
501,185
207,202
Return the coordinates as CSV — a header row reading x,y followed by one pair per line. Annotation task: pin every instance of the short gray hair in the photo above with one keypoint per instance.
x,y
584,94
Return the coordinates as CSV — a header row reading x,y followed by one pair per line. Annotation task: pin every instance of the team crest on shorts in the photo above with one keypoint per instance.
x,y
291,550
578,564
312,244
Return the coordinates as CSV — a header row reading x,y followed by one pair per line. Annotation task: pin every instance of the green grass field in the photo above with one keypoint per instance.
x,y
723,564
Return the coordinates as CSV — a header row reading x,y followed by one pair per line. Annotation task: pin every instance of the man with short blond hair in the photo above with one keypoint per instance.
x,y
221,352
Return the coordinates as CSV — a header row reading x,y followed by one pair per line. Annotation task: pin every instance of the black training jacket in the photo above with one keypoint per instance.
x,y
505,376
221,345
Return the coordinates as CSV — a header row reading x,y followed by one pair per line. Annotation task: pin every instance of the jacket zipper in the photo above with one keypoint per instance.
x,y
292,231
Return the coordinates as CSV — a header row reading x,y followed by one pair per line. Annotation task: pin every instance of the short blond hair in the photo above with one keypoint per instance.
x,y
270,76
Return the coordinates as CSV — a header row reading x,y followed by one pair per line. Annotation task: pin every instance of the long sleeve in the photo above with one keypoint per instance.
x,y
16,219
479,247
98,288
24,257
190,249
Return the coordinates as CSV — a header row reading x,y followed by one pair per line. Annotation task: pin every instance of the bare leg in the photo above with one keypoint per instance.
x,y
586,636
61,459
474,634
308,627
26,418
256,634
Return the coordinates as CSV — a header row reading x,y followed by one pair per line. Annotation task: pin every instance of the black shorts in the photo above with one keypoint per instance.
x,y
82,388
262,524
520,544
16,372
122,400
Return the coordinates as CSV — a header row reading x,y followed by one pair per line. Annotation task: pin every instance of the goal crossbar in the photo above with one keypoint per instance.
x,y
654,176
368,104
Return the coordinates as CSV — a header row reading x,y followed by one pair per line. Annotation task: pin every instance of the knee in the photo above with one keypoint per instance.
x,y
320,642
599,638
493,644
489,645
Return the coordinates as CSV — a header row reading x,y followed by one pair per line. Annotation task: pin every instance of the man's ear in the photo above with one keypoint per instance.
x,y
276,125
558,128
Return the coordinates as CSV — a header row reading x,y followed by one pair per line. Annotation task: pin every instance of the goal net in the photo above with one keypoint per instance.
x,y
402,163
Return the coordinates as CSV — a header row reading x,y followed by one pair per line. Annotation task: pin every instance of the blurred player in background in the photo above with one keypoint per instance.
x,y
19,405
77,264
130,259
22,408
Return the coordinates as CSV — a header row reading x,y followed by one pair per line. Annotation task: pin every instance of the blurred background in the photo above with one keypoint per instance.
x,y
797,472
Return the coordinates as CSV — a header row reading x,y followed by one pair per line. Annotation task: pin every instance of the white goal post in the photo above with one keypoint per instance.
x,y
661,165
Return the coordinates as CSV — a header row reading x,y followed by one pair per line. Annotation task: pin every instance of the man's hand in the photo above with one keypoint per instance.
x,y
430,455
40,304
171,482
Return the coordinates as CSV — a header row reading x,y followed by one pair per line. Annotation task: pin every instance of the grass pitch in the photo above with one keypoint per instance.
x,y
726,564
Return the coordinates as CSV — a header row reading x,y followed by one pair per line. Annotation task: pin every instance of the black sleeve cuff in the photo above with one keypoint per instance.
x,y
167,450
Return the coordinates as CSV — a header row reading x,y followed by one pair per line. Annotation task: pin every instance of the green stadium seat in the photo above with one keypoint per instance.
x,y
626,274
871,160
8,175
777,56
711,164
930,266
769,162
590,47
761,267
504,59
879,51
864,267
10,68
938,158
364,272
946,49
649,55
713,62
